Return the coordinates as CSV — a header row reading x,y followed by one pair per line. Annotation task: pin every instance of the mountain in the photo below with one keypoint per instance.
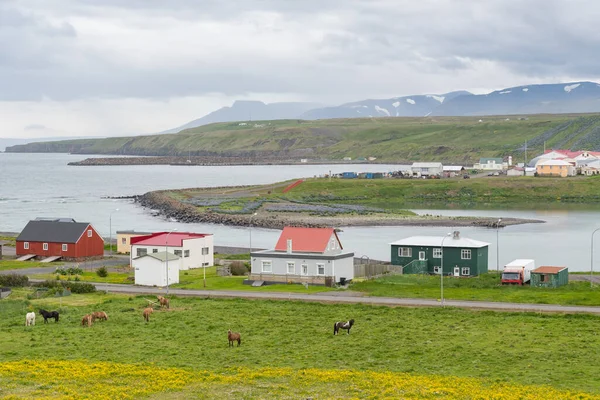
x,y
573,97
407,106
8,142
246,110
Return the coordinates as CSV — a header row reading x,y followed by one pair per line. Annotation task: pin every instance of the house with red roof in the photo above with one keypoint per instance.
x,y
304,255
196,250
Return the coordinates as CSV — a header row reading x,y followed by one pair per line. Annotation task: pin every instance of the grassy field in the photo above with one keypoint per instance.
x,y
6,265
288,351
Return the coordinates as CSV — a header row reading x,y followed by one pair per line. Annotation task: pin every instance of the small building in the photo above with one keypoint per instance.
x,y
426,169
450,171
2,243
151,269
551,277
59,237
304,255
195,249
491,164
349,175
530,171
124,240
558,168
423,254
516,171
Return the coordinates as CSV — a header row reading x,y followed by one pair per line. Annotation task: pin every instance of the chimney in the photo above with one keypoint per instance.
x,y
289,246
509,161
456,235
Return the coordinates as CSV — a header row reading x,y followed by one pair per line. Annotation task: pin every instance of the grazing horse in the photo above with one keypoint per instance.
x,y
101,315
342,325
49,314
163,301
147,312
233,337
86,320
30,319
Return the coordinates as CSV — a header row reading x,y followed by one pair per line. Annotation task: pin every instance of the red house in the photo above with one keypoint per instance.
x,y
61,237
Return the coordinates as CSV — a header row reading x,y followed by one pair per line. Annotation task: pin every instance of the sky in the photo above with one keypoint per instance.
x,y
128,67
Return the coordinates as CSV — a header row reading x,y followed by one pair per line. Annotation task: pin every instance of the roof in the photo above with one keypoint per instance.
x,y
573,154
485,160
548,270
53,231
427,165
519,262
436,241
171,239
453,168
161,256
555,162
308,240
128,232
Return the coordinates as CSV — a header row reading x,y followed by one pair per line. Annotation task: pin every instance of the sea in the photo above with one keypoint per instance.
x,y
43,185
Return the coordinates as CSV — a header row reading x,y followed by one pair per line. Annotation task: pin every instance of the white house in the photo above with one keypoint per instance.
x,y
151,269
311,255
195,249
451,171
516,171
427,169
491,164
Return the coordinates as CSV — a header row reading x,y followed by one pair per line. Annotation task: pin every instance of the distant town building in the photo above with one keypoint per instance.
x,y
491,164
124,240
560,168
427,169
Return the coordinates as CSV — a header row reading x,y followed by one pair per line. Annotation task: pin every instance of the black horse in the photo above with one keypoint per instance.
x,y
342,325
49,314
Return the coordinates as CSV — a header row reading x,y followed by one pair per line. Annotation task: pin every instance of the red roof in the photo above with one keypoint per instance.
x,y
174,239
548,270
306,240
573,154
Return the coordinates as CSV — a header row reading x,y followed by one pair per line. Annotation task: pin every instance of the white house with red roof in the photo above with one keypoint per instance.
x,y
196,250
311,255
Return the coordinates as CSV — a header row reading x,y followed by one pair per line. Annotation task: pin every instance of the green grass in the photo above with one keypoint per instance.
x,y
12,264
483,288
524,348
113,277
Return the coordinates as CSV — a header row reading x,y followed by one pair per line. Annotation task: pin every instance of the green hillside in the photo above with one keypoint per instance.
x,y
450,139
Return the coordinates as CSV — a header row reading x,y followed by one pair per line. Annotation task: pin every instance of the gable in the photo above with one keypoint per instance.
x,y
306,240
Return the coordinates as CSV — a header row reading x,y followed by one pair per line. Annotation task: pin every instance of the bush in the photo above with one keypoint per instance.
x,y
75,287
14,280
102,272
238,268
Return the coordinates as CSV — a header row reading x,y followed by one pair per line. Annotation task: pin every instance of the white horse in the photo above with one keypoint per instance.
x,y
30,319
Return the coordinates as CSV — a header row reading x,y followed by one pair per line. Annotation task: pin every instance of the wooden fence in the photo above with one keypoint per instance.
x,y
374,270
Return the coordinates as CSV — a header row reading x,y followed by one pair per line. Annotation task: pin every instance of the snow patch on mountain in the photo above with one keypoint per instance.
x,y
526,89
411,101
438,98
382,110
568,88
396,104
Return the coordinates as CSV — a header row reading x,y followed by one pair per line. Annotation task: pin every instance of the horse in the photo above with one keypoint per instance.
x,y
30,319
163,301
49,314
233,337
147,312
101,315
342,325
86,320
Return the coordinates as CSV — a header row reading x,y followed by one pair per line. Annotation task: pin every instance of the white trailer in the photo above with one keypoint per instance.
x,y
518,272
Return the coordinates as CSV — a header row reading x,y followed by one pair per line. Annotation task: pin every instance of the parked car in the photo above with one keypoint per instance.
x,y
466,177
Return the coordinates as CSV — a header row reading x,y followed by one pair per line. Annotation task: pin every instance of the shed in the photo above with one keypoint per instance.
x,y
550,276
349,175
151,269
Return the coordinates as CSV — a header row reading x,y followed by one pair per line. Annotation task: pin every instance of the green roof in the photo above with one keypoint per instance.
x,y
161,256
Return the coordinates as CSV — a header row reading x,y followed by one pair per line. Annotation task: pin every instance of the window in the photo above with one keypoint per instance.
x,y
205,264
178,253
465,271
267,266
465,254
543,278
437,253
64,247
141,252
155,250
89,233
291,267
204,251
436,269
26,245
320,269
45,246
186,253
332,245
123,240
405,252
304,269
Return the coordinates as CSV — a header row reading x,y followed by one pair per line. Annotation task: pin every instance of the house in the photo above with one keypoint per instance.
x,y
423,254
59,237
566,155
491,164
516,171
549,277
426,169
559,168
450,171
304,255
530,171
124,240
195,249
152,269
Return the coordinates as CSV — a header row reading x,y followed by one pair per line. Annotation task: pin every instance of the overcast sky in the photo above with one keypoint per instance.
x,y
117,67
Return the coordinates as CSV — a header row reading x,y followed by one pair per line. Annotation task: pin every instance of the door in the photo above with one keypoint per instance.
x,y
456,271
421,255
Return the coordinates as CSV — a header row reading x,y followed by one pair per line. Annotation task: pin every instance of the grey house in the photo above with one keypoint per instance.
x,y
304,255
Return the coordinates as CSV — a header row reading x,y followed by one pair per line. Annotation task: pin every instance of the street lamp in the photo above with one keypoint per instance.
x,y
110,229
250,231
167,256
498,245
592,258
442,268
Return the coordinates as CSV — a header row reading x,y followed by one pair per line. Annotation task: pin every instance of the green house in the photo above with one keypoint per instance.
x,y
423,254
549,277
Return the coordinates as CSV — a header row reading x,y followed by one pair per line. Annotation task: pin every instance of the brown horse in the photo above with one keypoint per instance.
x,y
234,337
101,315
147,312
163,301
86,320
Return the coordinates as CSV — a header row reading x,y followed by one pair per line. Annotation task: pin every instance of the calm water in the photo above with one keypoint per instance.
x,y
42,185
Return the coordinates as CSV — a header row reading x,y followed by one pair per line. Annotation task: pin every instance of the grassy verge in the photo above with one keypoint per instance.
x,y
10,240
113,277
290,344
6,265
483,288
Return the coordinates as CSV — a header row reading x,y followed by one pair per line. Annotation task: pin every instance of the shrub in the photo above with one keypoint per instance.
x,y
238,268
102,272
75,287
14,280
